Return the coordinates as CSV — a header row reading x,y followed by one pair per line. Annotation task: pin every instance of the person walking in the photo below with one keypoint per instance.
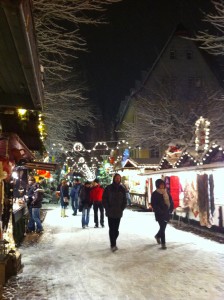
x,y
36,206
96,195
75,195
114,202
162,205
29,195
64,197
85,203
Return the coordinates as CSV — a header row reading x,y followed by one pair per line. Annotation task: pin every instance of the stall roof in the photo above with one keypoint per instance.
x,y
38,165
13,148
20,75
139,163
212,166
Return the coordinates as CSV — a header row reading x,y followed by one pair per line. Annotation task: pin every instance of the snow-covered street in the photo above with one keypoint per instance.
x,y
69,262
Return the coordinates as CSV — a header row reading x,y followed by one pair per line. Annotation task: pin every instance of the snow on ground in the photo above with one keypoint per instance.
x,y
70,263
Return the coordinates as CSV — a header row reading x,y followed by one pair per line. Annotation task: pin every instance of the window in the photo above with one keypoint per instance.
x,y
189,54
172,54
194,82
190,81
155,152
198,82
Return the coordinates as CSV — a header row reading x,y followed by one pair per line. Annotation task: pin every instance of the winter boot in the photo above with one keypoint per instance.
x,y
163,247
158,240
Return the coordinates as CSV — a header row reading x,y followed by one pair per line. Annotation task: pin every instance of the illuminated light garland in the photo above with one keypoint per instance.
x,y
41,127
81,160
162,161
202,134
211,151
182,157
78,147
100,145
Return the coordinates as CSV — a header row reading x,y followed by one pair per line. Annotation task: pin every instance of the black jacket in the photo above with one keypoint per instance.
x,y
161,210
37,198
85,197
114,200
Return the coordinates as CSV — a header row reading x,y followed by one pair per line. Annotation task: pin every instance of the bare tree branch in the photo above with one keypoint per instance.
x,y
213,43
57,25
159,119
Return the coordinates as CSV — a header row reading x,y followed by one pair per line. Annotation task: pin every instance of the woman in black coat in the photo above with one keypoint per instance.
x,y
162,205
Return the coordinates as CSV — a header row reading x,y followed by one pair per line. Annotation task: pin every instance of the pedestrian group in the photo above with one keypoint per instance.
x,y
109,202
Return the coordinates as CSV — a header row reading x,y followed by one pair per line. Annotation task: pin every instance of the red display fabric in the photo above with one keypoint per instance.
x,y
175,190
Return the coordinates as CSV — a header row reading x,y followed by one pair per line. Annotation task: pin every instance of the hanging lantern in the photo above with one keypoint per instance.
x,y
22,113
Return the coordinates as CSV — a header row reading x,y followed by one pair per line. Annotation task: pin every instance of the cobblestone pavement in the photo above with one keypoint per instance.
x,y
67,262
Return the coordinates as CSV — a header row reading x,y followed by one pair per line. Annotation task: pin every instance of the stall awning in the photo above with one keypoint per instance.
x,y
13,148
20,74
38,165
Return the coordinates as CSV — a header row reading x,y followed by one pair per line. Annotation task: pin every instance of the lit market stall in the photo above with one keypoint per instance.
x,y
194,179
134,176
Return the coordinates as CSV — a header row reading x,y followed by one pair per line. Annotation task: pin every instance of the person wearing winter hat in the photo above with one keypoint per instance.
x,y
114,202
162,204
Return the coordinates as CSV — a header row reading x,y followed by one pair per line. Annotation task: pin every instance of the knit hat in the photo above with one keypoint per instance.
x,y
159,182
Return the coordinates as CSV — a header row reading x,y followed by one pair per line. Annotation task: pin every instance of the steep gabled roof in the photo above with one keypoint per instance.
x,y
125,104
181,31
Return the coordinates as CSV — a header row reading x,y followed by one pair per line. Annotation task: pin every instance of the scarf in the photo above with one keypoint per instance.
x,y
165,196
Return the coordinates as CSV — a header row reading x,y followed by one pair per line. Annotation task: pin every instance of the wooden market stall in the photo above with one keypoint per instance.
x,y
21,87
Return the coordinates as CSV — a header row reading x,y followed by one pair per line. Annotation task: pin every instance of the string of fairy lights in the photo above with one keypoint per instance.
x,y
101,145
202,154
78,162
197,161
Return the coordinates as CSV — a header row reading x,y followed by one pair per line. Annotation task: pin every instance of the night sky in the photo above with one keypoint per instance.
x,y
130,43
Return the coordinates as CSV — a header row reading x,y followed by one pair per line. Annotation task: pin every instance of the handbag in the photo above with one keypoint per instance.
x,y
66,199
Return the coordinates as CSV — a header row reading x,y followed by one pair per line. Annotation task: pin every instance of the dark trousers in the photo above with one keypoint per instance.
x,y
161,232
113,230
31,223
96,206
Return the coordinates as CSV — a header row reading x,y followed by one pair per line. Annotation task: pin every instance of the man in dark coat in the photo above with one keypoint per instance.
x,y
36,206
85,203
162,205
114,202
31,187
